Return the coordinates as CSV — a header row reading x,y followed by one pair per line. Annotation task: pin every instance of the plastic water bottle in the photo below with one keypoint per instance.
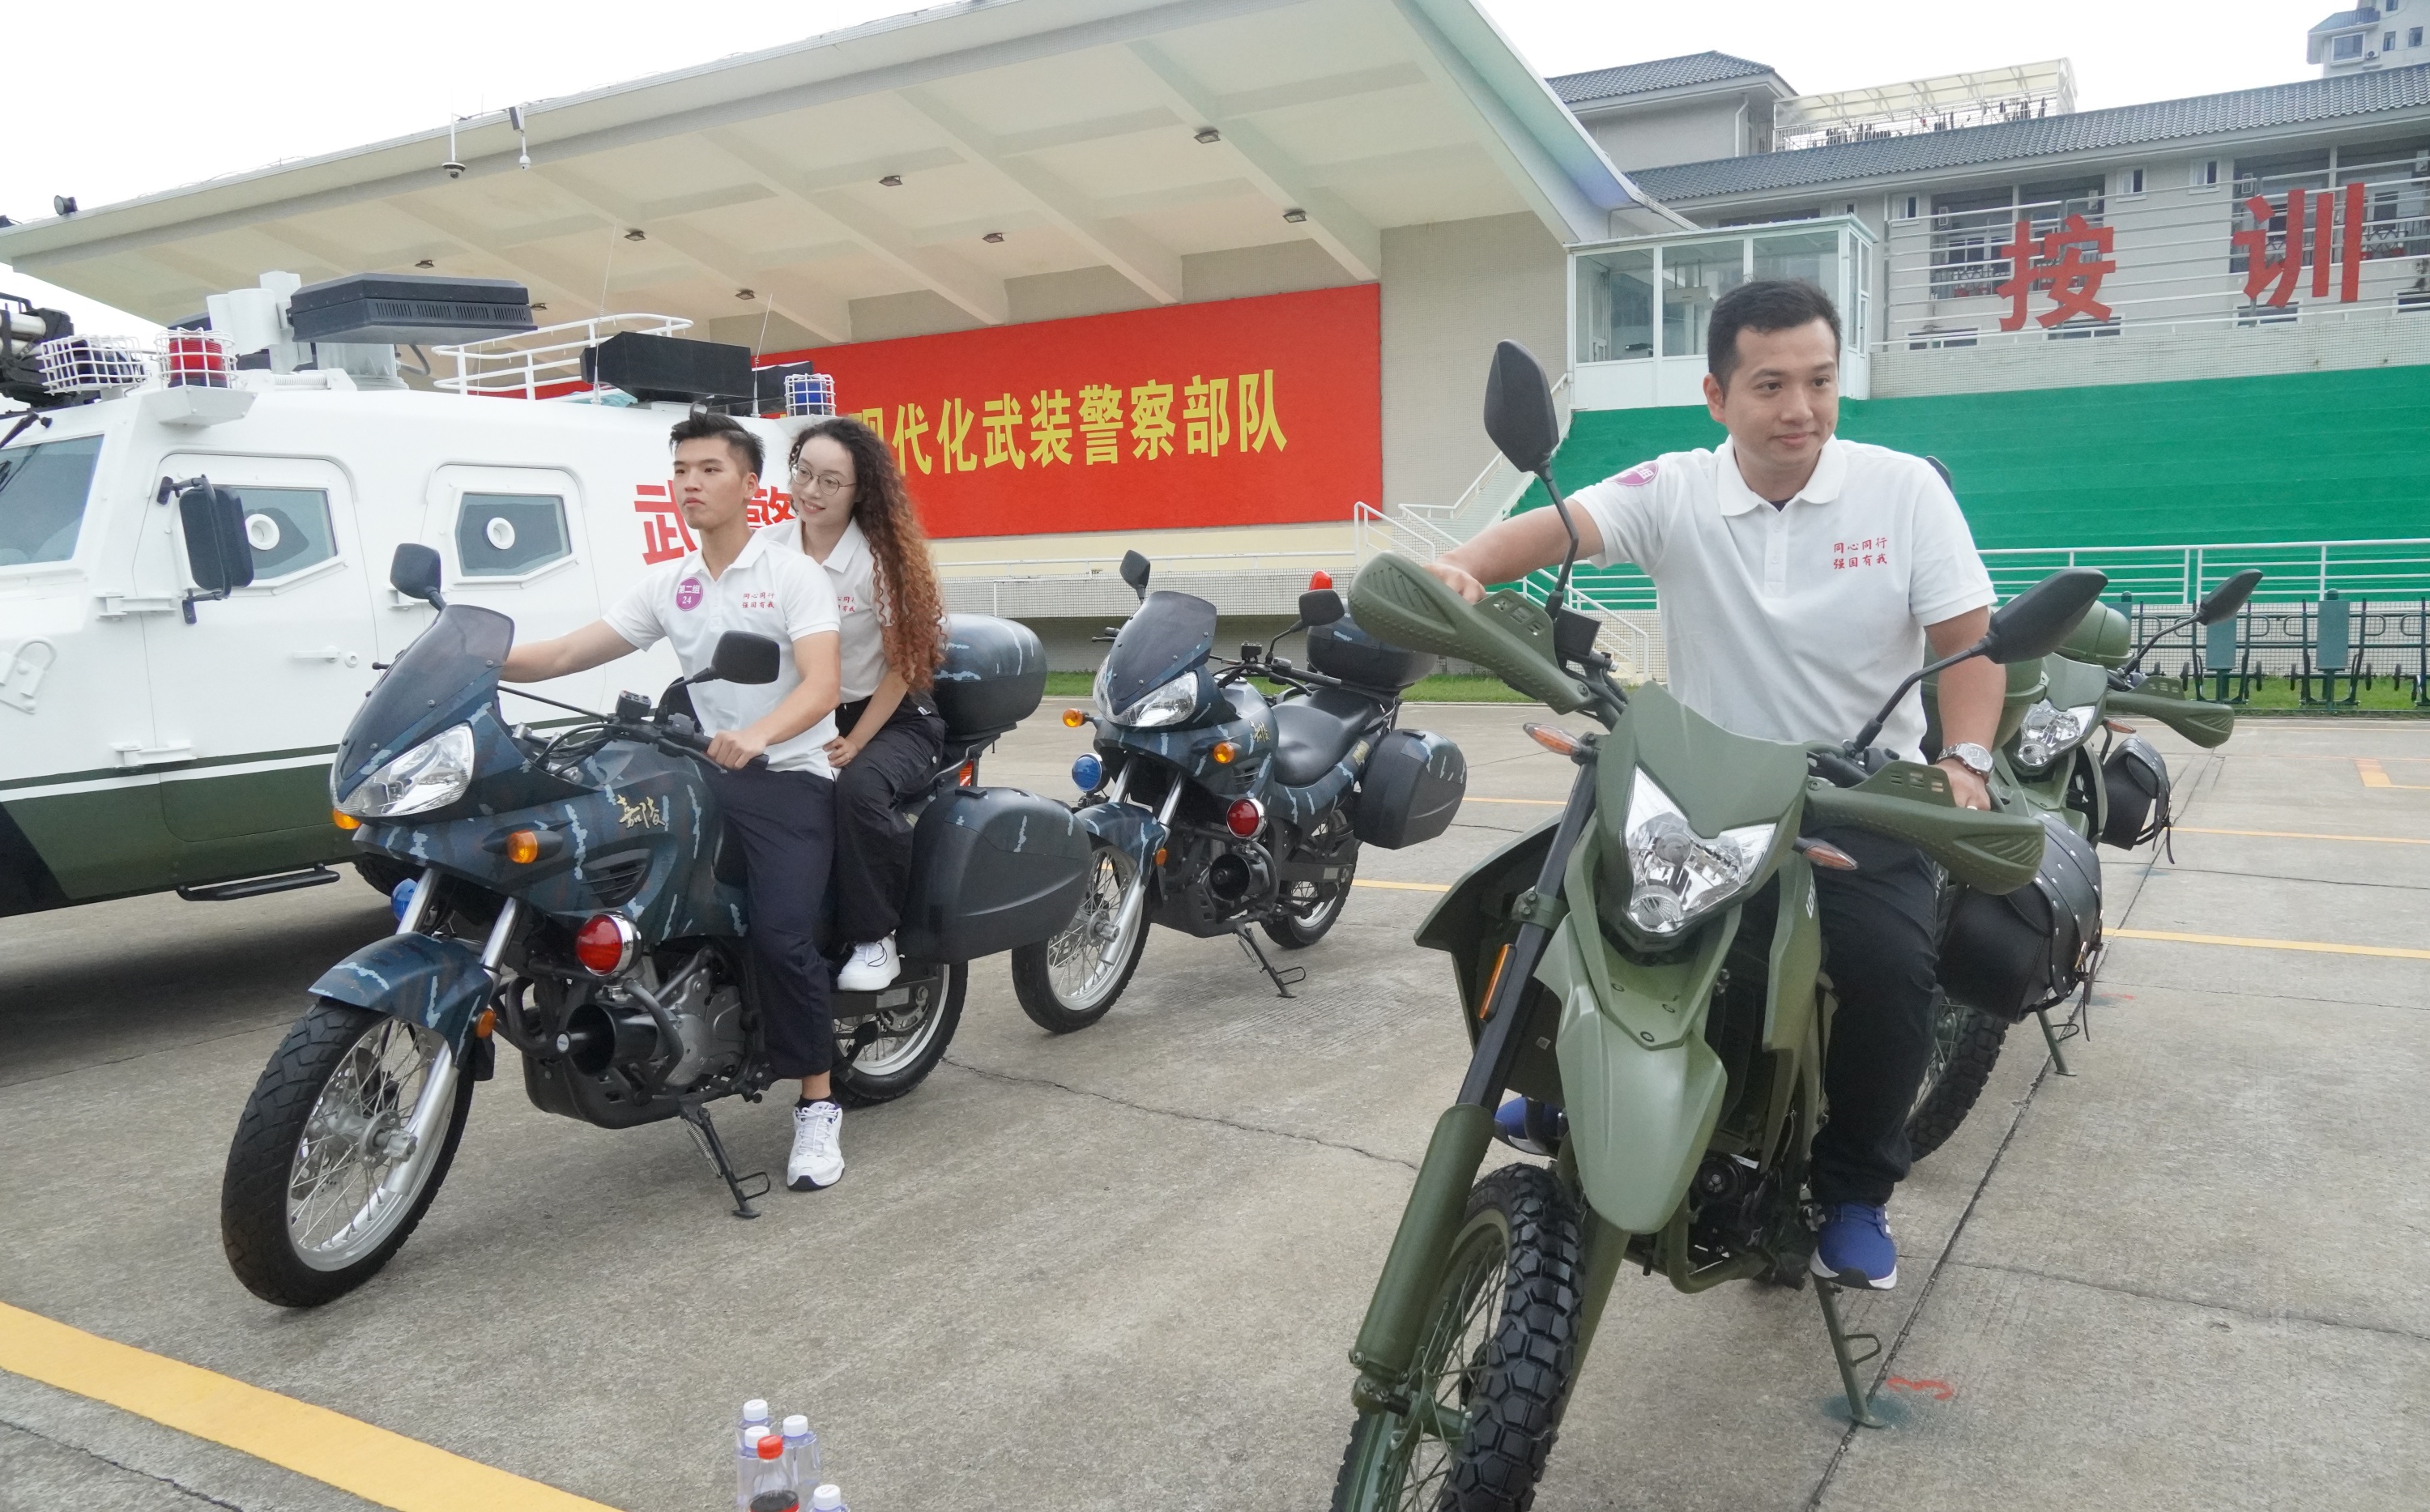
x,y
828,1498
771,1488
747,1434
801,1450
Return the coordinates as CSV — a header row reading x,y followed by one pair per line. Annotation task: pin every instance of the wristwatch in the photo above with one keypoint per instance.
x,y
1976,759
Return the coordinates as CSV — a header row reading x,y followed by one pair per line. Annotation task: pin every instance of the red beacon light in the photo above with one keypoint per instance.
x,y
1320,578
1245,818
606,944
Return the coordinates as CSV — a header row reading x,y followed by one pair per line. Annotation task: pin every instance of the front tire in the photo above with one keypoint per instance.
x,y
1303,923
324,1180
1067,982
1965,1046
1485,1392
889,1067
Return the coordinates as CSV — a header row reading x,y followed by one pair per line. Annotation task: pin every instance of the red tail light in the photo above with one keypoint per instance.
x,y
604,944
1245,818
1320,578
969,776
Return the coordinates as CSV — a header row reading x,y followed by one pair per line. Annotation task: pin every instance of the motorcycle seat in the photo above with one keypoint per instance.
x,y
1312,734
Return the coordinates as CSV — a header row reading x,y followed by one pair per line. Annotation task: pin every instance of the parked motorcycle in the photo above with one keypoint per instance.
x,y
1646,972
578,897
1211,808
2022,955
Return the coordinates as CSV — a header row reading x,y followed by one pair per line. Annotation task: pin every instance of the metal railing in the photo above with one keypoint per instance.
x,y
545,363
2398,568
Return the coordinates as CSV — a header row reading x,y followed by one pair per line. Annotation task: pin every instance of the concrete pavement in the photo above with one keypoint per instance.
x,y
1122,1269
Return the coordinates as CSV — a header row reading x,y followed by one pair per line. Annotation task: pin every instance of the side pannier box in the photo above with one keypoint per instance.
x,y
1343,650
991,868
993,675
1410,789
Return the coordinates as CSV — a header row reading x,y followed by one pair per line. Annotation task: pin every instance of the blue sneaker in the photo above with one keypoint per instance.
x,y
1855,1248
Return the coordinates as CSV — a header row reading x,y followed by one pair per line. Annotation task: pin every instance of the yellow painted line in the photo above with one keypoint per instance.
x,y
1532,803
2316,946
2376,775
383,1467
2298,835
1402,886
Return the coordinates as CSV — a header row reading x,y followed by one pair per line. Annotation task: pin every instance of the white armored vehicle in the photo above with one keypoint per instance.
x,y
194,542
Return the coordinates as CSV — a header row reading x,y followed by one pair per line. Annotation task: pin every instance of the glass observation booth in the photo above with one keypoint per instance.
x,y
1638,307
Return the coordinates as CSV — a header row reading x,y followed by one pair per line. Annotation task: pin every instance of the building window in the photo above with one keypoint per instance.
x,y
1968,231
1912,206
2413,37
2133,184
1932,337
2388,43
2204,174
2252,315
2078,330
2346,48
2413,302
507,534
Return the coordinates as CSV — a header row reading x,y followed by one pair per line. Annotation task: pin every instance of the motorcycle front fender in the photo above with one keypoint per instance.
x,y
1127,827
438,984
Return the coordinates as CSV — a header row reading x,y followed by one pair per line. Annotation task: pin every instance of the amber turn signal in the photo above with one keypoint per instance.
x,y
1073,718
2119,727
1225,753
523,847
1554,738
343,820
1826,855
486,1022
1160,854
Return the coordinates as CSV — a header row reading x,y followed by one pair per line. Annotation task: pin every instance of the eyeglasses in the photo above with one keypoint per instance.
x,y
820,483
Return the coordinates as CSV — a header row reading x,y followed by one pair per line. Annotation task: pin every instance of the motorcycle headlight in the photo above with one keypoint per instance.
x,y
1676,875
431,775
1168,703
2049,731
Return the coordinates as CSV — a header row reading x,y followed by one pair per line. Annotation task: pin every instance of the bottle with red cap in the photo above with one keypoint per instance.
x,y
772,1489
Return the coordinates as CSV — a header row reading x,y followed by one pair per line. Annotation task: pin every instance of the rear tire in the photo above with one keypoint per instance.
x,y
886,1068
1064,982
332,1091
1494,1364
1965,1046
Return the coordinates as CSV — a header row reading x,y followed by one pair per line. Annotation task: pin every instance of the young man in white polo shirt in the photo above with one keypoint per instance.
x,y
1801,578
782,813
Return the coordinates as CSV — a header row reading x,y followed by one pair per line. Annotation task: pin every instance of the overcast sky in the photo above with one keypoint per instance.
x,y
142,95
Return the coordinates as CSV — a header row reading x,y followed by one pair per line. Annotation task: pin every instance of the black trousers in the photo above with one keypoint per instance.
x,y
786,824
1880,945
872,844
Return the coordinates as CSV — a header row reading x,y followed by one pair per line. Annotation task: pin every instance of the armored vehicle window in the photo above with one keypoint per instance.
x,y
288,529
506,535
43,492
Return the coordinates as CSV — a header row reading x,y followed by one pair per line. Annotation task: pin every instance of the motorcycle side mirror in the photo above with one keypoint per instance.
x,y
2039,620
1320,605
1519,409
742,657
1135,569
414,572
2222,602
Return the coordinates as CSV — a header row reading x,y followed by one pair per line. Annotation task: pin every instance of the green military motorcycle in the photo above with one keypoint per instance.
x,y
1673,1060
2026,954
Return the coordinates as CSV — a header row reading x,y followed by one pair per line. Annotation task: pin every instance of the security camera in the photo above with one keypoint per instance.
x,y
455,169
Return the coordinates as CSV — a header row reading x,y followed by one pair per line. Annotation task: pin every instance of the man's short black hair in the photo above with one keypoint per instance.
x,y
702,426
1762,305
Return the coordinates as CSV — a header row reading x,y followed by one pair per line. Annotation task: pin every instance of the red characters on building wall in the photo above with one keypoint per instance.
x,y
2058,263
2279,275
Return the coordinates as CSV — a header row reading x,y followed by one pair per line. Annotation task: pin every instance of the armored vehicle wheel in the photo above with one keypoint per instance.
x,y
906,1048
1069,981
1965,1046
1491,1374
340,1150
1305,920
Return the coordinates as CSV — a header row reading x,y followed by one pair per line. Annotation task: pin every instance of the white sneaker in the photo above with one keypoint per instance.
x,y
817,1147
873,966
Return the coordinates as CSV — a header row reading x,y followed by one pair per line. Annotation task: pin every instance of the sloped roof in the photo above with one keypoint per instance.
x,y
2279,105
2347,18
1603,83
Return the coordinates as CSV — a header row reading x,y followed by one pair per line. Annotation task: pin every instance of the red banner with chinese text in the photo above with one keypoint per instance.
x,y
1242,411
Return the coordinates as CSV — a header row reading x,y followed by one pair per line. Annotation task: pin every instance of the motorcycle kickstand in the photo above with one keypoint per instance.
x,y
1284,979
1860,1403
2050,1038
704,1134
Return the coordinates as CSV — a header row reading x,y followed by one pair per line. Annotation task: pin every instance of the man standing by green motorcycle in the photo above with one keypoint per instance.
x,y
1802,578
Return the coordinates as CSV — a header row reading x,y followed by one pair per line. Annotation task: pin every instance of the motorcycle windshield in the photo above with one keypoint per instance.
x,y
449,671
1171,634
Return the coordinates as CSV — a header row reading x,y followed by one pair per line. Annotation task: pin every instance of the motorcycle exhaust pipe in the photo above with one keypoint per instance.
x,y
597,1036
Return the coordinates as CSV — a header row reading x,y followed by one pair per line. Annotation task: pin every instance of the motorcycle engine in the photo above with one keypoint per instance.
x,y
614,1026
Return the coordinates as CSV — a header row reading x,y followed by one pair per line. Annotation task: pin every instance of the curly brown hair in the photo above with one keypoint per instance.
x,y
909,603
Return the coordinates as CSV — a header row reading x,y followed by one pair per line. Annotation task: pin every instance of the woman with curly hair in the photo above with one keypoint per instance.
x,y
853,516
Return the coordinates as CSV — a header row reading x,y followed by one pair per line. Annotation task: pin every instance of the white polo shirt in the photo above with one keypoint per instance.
x,y
852,572
1796,624
765,592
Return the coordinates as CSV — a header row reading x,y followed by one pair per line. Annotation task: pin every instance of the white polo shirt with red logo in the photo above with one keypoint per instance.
x,y
782,595
1796,624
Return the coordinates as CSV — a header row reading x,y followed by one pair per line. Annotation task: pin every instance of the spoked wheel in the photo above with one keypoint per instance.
x,y
905,1044
1309,909
1068,982
1484,1394
340,1149
1965,1046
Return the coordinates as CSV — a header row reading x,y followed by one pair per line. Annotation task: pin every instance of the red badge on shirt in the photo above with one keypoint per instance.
x,y
1640,475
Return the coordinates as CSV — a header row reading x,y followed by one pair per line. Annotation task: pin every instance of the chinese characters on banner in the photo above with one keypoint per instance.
x,y
2279,275
1246,412
2058,263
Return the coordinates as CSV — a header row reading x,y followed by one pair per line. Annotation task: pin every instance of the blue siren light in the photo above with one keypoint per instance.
x,y
1086,773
